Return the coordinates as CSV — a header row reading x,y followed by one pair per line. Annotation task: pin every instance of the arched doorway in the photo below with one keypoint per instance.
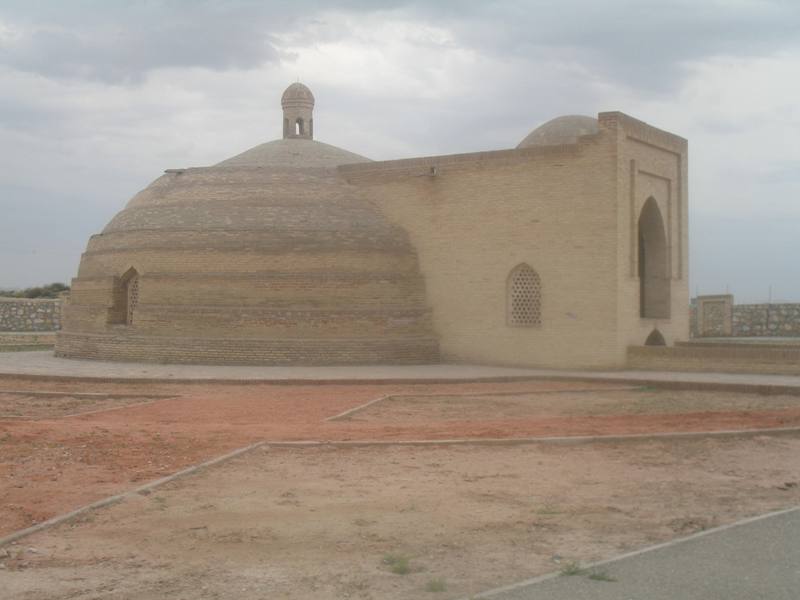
x,y
126,298
655,339
654,277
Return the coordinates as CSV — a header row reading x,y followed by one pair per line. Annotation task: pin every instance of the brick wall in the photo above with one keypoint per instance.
x,y
23,314
728,358
570,212
126,346
28,339
480,216
651,163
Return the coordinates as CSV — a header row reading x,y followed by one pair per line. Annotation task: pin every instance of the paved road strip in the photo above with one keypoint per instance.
x,y
520,586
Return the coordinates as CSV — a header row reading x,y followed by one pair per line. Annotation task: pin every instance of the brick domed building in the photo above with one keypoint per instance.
x,y
561,252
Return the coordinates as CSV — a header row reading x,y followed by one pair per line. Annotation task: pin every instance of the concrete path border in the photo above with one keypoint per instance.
x,y
666,382
89,395
356,409
81,414
565,440
148,399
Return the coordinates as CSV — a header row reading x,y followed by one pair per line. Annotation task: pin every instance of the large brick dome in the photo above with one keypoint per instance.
x,y
270,257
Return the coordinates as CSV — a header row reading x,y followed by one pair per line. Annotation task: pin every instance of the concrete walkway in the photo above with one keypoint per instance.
x,y
44,364
755,559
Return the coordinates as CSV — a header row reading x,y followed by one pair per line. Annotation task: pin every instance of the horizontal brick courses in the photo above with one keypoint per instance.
x,y
247,352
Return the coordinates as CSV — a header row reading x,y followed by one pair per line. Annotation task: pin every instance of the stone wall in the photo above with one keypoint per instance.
x,y
24,314
766,320
750,320
712,315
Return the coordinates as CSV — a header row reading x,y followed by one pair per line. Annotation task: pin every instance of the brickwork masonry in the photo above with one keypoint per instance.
x,y
720,358
24,314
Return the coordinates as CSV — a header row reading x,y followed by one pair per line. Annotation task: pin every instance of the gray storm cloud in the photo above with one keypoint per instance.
x,y
632,41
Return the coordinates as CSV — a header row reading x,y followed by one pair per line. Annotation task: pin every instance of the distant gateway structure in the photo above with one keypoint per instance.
x,y
561,252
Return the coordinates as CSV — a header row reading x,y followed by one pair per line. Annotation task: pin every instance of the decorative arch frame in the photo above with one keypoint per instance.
x,y
523,297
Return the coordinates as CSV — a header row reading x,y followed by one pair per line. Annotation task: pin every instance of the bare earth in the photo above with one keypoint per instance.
x,y
50,466
38,406
318,523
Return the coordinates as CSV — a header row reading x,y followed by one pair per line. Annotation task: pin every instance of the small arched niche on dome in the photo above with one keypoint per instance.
x,y
561,130
297,102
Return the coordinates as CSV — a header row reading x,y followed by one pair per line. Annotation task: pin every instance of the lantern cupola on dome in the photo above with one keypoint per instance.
x,y
298,112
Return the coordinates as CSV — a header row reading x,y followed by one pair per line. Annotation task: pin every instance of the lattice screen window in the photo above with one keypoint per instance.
x,y
133,298
524,297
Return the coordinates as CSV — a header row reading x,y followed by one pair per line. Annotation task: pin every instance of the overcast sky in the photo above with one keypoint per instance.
x,y
97,98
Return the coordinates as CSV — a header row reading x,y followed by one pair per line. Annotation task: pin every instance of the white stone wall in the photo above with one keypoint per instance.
x,y
24,314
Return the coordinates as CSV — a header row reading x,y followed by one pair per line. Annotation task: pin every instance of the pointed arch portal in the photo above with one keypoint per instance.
x,y
654,277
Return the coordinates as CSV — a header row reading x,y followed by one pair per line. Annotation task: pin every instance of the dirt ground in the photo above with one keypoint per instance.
x,y
328,523
51,465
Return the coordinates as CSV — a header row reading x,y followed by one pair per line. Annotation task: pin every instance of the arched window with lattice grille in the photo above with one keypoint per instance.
x,y
524,294
132,292
125,299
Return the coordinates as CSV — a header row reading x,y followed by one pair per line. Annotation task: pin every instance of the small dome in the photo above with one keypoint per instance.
x,y
561,130
297,93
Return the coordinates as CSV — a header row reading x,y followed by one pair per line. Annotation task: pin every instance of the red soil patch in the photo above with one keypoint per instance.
x,y
51,466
